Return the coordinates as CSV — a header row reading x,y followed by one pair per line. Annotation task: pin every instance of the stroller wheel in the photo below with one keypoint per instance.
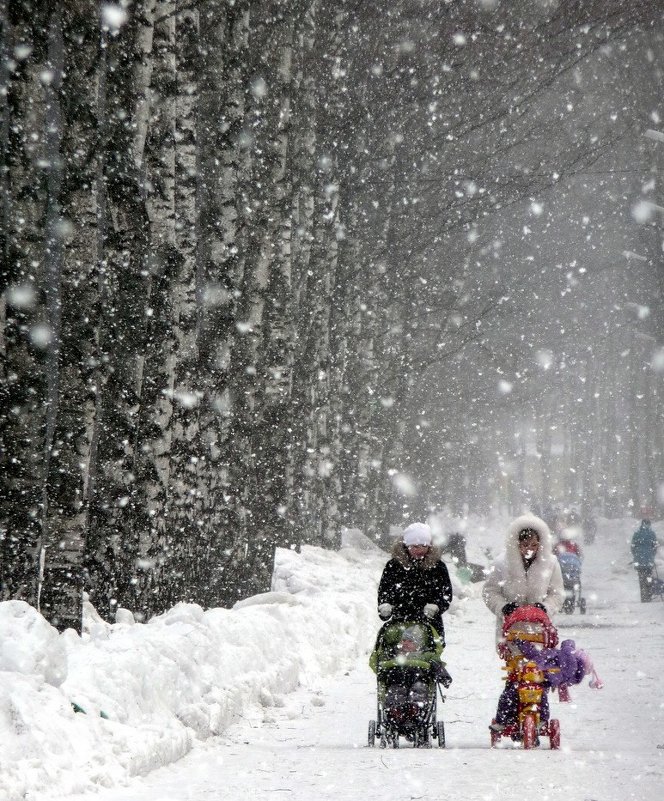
x,y
422,738
372,734
582,606
440,733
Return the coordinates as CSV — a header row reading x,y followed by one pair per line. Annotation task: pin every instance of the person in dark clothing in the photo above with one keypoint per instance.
x,y
415,585
456,548
644,547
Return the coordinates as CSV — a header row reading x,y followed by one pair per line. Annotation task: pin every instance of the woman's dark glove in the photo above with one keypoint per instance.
x,y
542,607
509,608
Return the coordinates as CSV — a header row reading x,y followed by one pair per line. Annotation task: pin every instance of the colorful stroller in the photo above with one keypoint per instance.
x,y
525,693
570,566
408,667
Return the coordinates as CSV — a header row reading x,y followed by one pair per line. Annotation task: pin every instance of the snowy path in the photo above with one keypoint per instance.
x,y
315,745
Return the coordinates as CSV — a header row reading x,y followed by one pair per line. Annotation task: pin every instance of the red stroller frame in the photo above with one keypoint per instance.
x,y
532,624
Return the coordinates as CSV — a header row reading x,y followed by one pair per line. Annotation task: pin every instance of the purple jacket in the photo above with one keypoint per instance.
x,y
569,662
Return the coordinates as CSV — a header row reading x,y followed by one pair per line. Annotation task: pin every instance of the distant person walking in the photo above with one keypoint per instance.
x,y
588,524
644,548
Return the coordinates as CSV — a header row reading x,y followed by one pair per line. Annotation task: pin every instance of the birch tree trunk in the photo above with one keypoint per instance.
x,y
224,41
321,280
24,334
152,459
183,502
59,596
119,512
275,327
255,159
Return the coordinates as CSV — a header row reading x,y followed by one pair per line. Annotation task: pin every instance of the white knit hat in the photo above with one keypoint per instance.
x,y
417,534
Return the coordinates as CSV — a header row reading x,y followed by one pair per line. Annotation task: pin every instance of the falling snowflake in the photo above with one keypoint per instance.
x,y
642,211
404,484
21,296
113,17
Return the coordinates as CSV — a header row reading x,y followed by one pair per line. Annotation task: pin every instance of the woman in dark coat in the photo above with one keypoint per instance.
x,y
415,585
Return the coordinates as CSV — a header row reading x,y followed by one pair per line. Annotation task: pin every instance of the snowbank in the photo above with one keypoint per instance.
x,y
149,691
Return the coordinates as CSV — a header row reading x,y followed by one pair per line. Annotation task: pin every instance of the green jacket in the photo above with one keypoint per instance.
x,y
403,644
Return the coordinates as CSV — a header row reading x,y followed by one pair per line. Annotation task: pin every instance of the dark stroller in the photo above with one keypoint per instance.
x,y
570,566
406,660
657,584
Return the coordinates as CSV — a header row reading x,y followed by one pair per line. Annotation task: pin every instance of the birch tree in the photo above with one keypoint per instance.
x,y
72,257
24,333
222,159
118,513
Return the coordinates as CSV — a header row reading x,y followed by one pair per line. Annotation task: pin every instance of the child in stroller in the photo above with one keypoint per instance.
x,y
408,667
570,567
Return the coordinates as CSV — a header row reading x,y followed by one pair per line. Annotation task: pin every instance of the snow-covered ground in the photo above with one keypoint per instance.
x,y
272,699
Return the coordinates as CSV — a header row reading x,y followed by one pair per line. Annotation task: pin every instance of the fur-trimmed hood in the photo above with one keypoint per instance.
x,y
510,582
400,553
513,554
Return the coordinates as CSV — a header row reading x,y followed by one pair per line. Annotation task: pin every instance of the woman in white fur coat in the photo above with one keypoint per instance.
x,y
528,573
